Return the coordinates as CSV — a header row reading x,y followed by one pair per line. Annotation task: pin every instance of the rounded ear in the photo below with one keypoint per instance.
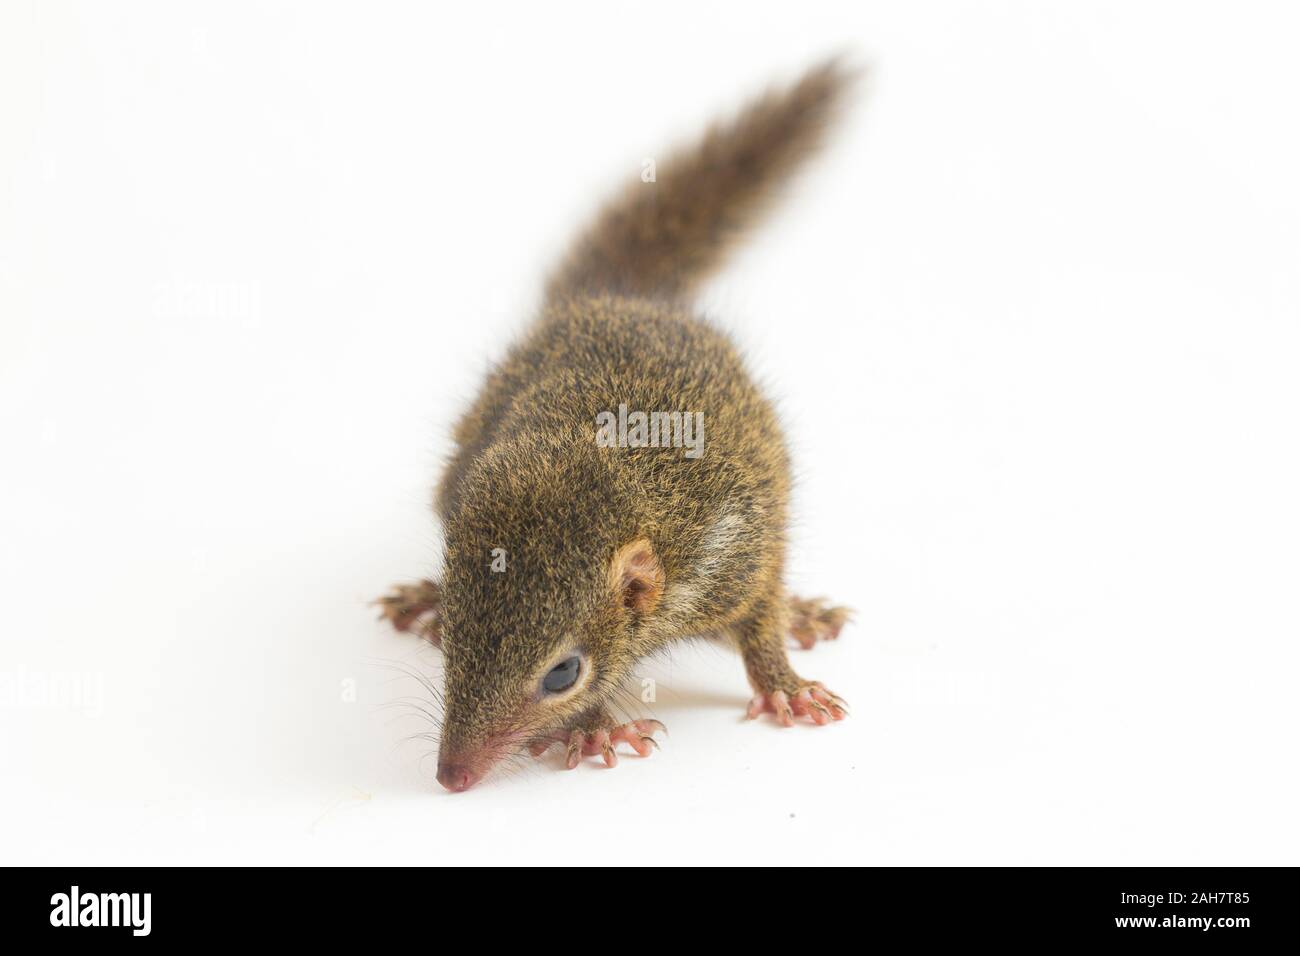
x,y
636,577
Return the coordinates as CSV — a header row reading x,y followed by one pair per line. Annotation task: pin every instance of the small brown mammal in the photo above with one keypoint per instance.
x,y
620,483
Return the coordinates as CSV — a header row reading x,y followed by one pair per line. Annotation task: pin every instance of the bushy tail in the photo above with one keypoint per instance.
x,y
663,238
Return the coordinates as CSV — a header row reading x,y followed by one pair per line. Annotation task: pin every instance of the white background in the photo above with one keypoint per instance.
x,y
1032,322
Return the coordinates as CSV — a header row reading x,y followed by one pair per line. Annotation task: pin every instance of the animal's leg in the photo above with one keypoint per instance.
x,y
777,688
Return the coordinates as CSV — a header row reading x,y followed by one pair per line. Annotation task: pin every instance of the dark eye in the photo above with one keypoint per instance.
x,y
562,676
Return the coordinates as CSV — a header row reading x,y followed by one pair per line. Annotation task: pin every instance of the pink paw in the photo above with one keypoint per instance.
x,y
812,701
638,734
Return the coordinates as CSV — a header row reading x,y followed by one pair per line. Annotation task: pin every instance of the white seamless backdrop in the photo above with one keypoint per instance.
x,y
1032,323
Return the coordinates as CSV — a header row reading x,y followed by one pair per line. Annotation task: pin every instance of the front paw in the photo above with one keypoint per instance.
x,y
601,741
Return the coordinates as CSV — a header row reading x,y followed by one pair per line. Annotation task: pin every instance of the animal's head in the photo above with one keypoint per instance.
x,y
545,594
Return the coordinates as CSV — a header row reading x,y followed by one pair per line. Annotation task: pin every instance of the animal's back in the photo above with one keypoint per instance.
x,y
590,356
619,302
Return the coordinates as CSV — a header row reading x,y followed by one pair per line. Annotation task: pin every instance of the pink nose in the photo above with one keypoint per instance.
x,y
457,777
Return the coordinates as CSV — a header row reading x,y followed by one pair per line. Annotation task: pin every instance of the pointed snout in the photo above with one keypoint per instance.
x,y
457,776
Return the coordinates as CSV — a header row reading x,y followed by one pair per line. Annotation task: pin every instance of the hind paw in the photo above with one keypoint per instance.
x,y
814,619
416,608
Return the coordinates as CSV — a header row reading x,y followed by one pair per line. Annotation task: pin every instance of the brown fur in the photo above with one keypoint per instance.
x,y
618,552
665,241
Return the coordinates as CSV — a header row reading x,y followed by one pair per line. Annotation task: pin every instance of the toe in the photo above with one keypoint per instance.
x,y
781,706
638,735
834,705
574,752
805,705
648,728
598,745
